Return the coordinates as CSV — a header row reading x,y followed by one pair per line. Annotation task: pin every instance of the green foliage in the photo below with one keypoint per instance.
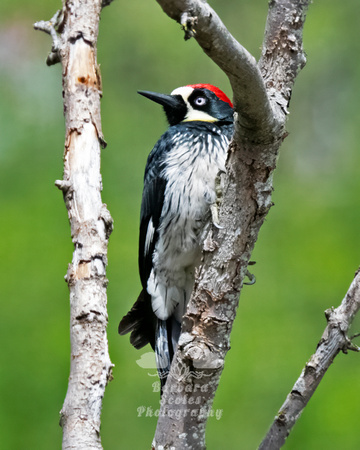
x,y
306,254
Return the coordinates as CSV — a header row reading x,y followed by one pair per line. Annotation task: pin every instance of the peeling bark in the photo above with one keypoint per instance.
x,y
90,221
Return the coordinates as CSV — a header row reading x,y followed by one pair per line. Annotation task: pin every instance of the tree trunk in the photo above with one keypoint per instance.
x,y
90,221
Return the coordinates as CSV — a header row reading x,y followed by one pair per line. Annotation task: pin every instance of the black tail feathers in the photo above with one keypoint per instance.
x,y
140,321
163,351
167,336
145,328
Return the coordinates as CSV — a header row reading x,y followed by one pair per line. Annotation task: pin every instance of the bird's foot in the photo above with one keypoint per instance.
x,y
215,215
250,276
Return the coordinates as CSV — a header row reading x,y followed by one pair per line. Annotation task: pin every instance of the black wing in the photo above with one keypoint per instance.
x,y
140,320
151,208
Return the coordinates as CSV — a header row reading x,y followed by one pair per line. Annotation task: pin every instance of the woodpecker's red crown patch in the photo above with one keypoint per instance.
x,y
218,92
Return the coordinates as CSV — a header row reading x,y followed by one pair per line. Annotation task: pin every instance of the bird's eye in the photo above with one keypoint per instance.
x,y
200,101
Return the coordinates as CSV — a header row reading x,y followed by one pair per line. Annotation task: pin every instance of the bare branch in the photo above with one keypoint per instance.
x,y
50,27
90,221
282,52
333,340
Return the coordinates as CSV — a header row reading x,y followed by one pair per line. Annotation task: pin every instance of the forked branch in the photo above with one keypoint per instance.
x,y
261,108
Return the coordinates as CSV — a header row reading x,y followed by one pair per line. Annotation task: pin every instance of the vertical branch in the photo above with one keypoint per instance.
x,y
282,55
259,131
90,221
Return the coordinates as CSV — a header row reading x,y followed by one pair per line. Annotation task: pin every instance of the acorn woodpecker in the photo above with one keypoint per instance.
x,y
178,196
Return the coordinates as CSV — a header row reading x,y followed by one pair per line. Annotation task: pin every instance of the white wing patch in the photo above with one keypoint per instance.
x,y
149,236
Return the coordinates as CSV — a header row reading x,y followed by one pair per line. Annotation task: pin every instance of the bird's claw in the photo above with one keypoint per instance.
x,y
215,216
251,276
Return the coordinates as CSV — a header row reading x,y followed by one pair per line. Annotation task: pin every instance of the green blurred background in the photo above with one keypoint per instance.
x,y
307,252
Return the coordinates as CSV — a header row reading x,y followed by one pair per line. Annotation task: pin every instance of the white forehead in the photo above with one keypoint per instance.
x,y
184,91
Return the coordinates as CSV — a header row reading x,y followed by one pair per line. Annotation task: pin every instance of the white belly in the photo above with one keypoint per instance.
x,y
189,193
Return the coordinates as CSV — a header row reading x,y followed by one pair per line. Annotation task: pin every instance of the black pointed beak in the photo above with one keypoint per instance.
x,y
166,100
174,105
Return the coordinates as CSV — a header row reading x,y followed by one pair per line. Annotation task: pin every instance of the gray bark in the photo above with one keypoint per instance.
x,y
261,94
90,221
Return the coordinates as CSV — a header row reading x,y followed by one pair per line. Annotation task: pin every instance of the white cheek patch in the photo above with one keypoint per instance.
x,y
195,114
192,114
